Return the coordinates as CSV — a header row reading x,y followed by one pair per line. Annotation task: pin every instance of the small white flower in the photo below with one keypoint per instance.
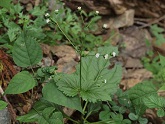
x,y
105,81
113,54
47,15
50,78
106,56
105,26
47,20
97,12
56,11
79,8
97,55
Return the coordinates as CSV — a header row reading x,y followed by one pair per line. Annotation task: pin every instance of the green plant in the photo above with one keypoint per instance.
x,y
76,28
2,105
82,28
146,93
14,22
157,32
91,90
151,62
92,82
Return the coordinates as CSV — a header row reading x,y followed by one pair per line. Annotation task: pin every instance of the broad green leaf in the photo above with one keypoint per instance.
x,y
115,108
26,51
104,115
93,108
122,110
162,60
38,11
59,98
143,120
140,91
117,117
133,117
160,39
49,116
160,112
157,32
57,118
155,28
97,83
160,77
20,83
17,8
34,114
5,3
47,111
139,109
12,33
126,121
2,104
162,89
154,101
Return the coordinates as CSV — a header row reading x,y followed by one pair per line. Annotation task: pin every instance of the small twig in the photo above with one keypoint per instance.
x,y
143,19
153,22
140,23
10,107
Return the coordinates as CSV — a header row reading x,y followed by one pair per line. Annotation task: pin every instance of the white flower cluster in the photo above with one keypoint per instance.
x,y
47,20
105,56
97,12
113,54
47,15
56,11
97,55
105,26
79,8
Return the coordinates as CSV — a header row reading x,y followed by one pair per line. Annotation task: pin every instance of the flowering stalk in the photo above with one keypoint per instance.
x,y
78,51
97,12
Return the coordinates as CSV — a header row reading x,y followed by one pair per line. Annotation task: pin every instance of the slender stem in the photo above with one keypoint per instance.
x,y
32,70
80,69
87,116
82,18
72,120
89,24
65,34
32,88
86,103
110,107
82,116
